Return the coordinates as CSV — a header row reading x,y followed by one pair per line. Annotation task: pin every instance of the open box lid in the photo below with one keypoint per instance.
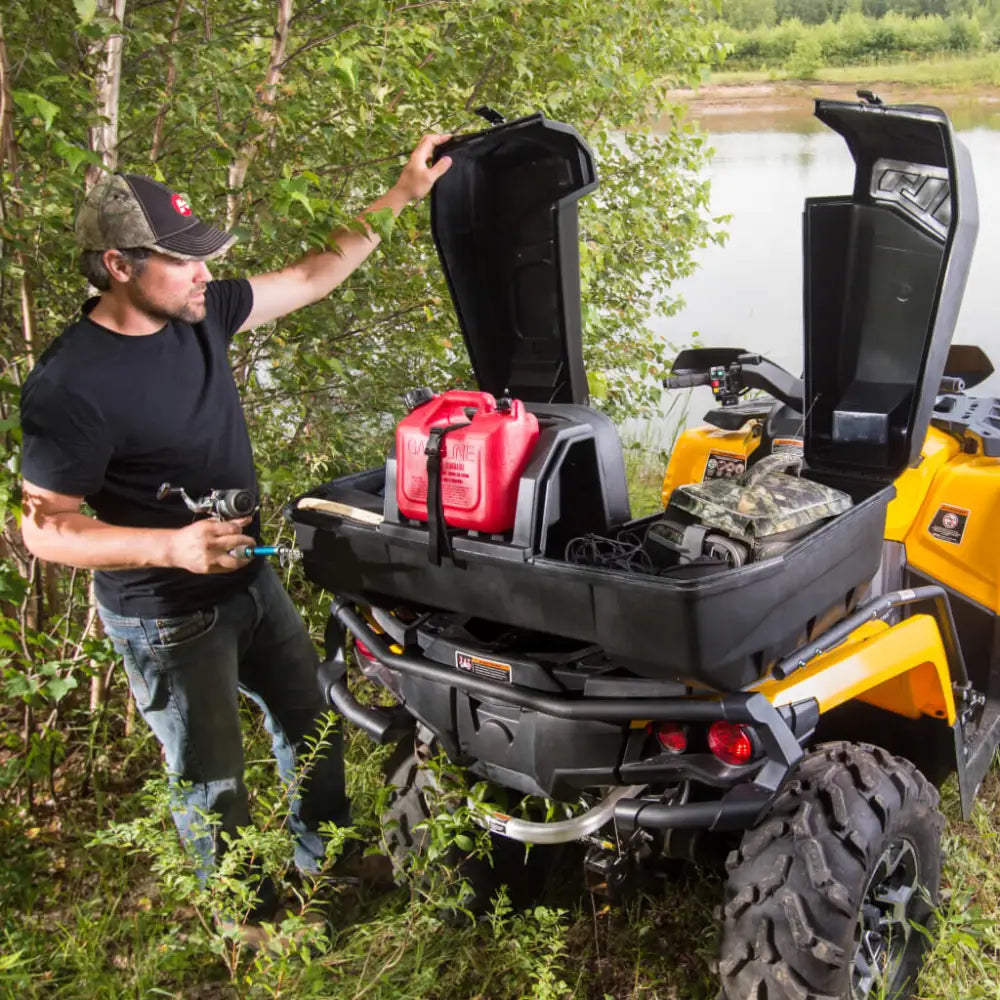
x,y
504,219
884,272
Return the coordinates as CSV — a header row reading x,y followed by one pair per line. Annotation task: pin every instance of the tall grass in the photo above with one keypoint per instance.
x,y
939,73
120,917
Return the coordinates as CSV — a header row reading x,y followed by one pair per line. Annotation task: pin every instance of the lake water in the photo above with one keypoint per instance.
x,y
748,292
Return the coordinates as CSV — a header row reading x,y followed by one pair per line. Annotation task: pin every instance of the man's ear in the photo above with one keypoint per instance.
x,y
118,266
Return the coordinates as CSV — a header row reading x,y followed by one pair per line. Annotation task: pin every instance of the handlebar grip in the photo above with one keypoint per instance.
x,y
686,381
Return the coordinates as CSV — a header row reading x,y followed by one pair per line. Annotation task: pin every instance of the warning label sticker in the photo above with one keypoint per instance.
x,y
497,822
493,670
949,524
724,465
786,444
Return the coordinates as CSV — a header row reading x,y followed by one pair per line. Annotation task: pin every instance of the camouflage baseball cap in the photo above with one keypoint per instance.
x,y
129,210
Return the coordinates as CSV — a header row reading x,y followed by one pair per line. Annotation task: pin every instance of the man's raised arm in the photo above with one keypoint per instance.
x,y
316,274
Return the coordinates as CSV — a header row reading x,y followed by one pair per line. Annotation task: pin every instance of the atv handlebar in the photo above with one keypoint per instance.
x,y
747,371
686,381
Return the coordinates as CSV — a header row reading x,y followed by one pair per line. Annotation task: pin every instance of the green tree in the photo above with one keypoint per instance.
x,y
810,11
746,14
285,119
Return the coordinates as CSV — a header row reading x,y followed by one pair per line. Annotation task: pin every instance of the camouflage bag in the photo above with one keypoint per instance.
x,y
762,503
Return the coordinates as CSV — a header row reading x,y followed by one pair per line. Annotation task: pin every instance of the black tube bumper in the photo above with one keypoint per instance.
x,y
738,808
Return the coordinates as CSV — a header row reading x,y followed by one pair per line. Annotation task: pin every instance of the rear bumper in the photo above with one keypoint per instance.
x,y
574,725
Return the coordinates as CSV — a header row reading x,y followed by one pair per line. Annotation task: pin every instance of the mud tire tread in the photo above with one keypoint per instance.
x,y
796,883
407,781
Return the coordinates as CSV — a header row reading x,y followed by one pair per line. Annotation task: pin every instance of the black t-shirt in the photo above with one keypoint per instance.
x,y
110,417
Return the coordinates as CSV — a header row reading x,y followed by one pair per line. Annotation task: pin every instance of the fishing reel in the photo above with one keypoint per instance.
x,y
228,505
224,505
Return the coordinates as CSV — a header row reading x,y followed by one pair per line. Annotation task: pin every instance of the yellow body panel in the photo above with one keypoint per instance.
x,y
913,484
690,456
968,490
901,668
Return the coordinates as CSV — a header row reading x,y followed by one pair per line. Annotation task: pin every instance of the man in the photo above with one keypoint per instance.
x,y
139,392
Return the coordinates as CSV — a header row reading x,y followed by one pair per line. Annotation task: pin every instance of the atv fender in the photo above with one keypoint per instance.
x,y
901,668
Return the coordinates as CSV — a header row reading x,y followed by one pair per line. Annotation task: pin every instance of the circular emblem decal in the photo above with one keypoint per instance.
x,y
180,205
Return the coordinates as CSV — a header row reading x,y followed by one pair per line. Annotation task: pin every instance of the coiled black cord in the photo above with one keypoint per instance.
x,y
624,552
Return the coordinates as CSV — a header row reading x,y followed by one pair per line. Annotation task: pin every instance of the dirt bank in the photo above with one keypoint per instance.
x,y
737,107
722,98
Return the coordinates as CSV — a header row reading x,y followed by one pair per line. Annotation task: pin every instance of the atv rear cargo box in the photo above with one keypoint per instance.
x,y
884,270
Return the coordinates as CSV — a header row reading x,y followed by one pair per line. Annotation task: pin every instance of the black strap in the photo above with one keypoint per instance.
x,y
440,540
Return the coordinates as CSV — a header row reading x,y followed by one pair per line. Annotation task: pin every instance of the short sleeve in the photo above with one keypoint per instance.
x,y
229,303
66,445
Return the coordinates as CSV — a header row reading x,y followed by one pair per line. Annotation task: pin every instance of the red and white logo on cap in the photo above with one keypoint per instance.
x,y
181,207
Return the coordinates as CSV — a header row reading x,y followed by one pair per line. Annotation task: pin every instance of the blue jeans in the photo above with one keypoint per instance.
x,y
186,673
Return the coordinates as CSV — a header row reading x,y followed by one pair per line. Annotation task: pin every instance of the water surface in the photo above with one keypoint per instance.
x,y
748,293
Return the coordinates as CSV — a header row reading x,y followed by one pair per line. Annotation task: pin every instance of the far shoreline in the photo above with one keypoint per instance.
x,y
778,95
723,106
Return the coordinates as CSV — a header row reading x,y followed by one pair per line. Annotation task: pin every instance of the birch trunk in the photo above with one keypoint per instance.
x,y
248,150
104,136
104,142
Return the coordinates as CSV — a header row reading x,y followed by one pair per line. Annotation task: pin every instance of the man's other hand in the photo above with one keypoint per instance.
x,y
418,176
205,546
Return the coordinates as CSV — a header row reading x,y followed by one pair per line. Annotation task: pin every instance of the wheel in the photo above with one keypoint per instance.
x,y
407,808
413,793
822,895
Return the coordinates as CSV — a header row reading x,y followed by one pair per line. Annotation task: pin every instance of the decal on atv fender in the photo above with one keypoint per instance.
x,y
949,523
724,465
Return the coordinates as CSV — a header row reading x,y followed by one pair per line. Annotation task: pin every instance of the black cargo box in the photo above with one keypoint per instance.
x,y
884,269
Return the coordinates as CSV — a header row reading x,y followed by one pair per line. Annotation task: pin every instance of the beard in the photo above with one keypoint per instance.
x,y
190,310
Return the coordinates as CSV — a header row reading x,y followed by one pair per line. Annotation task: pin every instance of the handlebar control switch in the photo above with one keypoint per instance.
x,y
726,384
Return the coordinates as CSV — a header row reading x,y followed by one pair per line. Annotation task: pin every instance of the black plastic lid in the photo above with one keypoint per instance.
x,y
885,269
504,219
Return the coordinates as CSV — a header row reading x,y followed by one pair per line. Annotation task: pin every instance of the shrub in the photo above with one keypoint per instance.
x,y
806,59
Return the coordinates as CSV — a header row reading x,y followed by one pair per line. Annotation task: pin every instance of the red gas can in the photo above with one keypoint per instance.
x,y
481,462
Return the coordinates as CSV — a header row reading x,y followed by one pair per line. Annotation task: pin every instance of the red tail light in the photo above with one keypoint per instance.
x,y
671,736
731,743
362,650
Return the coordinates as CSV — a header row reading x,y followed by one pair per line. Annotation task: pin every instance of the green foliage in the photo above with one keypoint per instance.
x,y
805,59
361,80
809,11
799,49
746,14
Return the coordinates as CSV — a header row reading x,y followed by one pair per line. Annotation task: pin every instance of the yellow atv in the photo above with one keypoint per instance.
x,y
793,653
